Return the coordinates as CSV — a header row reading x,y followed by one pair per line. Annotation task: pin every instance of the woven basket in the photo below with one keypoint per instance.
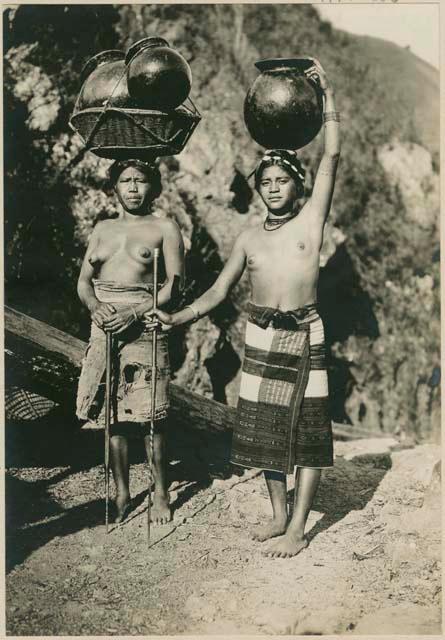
x,y
21,404
134,133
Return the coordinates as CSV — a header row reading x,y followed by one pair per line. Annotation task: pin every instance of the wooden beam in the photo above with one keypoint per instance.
x,y
37,343
44,335
52,359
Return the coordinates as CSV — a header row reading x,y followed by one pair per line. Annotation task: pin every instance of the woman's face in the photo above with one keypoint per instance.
x,y
133,189
277,190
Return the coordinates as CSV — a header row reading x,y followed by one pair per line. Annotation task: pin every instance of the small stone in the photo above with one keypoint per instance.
x,y
252,518
276,620
370,447
218,585
433,492
137,618
88,568
232,605
198,609
417,464
329,621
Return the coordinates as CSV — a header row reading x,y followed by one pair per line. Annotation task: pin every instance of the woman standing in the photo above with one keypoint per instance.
x,y
116,285
283,409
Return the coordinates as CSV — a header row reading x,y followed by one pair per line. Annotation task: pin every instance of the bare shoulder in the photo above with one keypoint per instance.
x,y
167,226
101,228
243,239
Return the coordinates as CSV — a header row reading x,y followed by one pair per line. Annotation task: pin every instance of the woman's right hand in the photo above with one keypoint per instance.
x,y
102,312
317,74
164,317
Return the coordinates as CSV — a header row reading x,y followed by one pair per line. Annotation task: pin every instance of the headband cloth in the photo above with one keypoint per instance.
x,y
293,168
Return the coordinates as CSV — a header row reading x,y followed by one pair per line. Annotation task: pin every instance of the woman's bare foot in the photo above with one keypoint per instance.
x,y
123,504
286,547
160,510
275,527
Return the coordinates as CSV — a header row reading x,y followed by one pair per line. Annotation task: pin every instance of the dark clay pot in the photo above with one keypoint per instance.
x,y
158,77
283,110
104,78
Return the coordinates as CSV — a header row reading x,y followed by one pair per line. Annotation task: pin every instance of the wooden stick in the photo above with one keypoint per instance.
x,y
153,387
109,341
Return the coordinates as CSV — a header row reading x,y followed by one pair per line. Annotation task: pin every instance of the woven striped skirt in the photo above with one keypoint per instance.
x,y
283,407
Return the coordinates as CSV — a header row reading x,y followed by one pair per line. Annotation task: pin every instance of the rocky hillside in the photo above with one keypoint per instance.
x,y
380,274
410,82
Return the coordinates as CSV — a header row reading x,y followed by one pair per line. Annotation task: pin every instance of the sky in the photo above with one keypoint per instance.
x,y
415,25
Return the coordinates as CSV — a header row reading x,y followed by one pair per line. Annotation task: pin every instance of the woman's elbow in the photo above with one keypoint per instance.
x,y
219,294
81,287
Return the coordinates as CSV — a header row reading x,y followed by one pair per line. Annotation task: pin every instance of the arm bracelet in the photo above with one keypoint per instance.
x,y
331,115
194,311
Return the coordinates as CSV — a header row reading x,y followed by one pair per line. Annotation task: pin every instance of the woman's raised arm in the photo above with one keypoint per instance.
x,y
325,179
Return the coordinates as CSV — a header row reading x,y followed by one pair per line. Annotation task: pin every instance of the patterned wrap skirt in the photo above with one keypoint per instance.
x,y
131,365
283,417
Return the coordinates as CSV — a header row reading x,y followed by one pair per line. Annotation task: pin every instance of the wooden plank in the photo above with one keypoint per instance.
x,y
44,335
35,342
188,408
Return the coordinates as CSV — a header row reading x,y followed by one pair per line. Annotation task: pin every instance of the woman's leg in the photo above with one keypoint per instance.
x,y
120,469
276,485
160,513
306,485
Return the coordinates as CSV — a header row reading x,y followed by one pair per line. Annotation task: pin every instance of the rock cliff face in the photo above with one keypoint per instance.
x,y
409,168
379,278
395,365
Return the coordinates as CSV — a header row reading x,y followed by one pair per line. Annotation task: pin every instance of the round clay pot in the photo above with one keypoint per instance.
x,y
158,77
104,79
283,109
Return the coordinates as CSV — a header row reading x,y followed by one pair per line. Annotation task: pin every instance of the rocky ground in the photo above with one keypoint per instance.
x,y
372,565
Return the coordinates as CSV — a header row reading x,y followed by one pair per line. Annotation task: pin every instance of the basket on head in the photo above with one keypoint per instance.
x,y
118,133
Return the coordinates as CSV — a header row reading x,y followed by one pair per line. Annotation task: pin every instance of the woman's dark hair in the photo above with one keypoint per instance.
x,y
150,170
288,161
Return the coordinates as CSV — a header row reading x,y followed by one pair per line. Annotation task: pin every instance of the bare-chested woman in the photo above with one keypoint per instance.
x,y
116,285
283,414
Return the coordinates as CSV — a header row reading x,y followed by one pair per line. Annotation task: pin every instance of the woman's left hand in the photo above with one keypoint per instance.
x,y
121,320
317,74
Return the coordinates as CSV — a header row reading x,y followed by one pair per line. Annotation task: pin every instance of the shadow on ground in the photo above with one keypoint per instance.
x,y
35,447
196,458
349,486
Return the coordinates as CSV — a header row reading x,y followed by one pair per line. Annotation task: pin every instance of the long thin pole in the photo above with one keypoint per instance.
x,y
153,388
109,338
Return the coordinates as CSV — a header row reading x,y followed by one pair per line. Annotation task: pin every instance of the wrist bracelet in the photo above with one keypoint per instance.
x,y
195,313
331,115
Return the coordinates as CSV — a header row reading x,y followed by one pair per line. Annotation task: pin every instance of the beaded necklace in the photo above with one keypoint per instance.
x,y
272,224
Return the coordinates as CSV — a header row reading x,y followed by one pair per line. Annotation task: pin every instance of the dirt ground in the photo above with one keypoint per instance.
x,y
372,564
